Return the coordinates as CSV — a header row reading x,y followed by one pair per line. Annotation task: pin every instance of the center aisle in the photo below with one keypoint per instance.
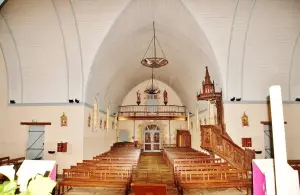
x,y
153,169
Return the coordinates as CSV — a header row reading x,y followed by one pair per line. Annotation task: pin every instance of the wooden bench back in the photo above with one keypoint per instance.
x,y
4,160
197,161
204,168
109,161
149,189
92,175
214,176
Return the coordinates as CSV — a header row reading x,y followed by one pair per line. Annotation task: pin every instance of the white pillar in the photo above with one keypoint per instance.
x,y
188,120
197,116
107,118
284,183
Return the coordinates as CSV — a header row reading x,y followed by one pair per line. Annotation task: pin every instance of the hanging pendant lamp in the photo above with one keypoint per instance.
x,y
154,62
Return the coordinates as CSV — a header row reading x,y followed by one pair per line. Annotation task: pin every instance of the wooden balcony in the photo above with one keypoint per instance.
x,y
145,112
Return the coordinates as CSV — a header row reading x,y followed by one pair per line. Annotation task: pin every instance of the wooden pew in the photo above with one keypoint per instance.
x,y
94,178
151,189
110,169
199,167
15,161
4,160
214,179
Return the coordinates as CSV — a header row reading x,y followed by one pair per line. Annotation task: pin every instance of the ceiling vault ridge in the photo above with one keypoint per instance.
x,y
17,54
229,47
80,49
244,48
297,40
65,48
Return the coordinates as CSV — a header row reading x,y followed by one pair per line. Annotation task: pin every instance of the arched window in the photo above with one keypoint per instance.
x,y
95,114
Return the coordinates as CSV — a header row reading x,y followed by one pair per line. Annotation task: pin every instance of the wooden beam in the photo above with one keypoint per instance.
x,y
36,123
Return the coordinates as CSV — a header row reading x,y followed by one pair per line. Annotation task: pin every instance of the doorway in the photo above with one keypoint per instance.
x,y
152,139
123,135
35,145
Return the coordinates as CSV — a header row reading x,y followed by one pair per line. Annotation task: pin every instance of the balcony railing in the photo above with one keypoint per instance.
x,y
145,112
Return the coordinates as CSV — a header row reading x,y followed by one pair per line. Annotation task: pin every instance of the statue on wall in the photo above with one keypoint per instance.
x,y
63,120
89,120
245,122
165,97
105,127
138,97
204,121
100,123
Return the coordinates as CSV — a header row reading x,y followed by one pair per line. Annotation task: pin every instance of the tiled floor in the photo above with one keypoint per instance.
x,y
153,169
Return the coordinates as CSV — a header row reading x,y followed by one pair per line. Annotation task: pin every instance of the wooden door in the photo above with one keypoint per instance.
x,y
183,139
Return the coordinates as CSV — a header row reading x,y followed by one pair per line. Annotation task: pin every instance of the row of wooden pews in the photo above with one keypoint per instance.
x,y
12,161
17,162
196,170
112,169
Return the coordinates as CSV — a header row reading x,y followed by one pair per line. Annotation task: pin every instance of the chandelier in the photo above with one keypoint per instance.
x,y
154,62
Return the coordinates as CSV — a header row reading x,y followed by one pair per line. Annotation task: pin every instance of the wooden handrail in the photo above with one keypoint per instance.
x,y
215,141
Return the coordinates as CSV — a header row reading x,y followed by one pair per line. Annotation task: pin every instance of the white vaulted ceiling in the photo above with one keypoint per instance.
x,y
57,50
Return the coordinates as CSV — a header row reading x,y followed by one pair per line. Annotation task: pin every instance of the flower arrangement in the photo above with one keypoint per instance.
x,y
38,185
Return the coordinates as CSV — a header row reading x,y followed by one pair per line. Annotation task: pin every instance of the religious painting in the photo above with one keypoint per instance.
x,y
246,142
89,120
100,124
245,122
63,120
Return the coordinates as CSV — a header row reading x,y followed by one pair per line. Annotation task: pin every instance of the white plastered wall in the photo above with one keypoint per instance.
x,y
16,144
3,97
100,141
256,114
